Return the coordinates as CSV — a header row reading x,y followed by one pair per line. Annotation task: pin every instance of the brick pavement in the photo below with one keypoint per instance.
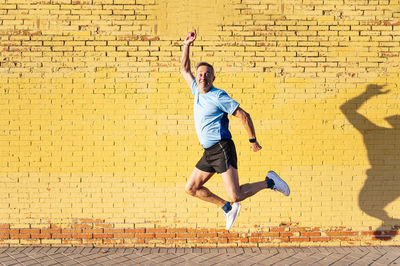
x,y
200,256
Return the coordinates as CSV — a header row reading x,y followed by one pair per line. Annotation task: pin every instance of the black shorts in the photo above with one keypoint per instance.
x,y
218,157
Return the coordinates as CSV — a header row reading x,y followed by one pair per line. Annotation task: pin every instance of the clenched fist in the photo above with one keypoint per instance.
x,y
190,38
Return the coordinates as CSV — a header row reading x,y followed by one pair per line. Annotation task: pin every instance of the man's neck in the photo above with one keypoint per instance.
x,y
204,90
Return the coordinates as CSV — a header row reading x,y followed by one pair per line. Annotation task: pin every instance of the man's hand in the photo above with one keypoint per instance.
x,y
255,146
190,38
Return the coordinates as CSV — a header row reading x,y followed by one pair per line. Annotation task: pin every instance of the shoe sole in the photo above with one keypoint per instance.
x,y
280,180
237,213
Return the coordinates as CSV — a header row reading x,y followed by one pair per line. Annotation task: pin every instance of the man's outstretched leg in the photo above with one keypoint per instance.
x,y
195,187
238,193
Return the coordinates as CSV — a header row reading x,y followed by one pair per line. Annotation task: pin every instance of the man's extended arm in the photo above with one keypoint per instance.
x,y
185,61
248,125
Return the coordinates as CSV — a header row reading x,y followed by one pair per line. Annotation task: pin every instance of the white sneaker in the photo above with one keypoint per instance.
x,y
280,185
231,215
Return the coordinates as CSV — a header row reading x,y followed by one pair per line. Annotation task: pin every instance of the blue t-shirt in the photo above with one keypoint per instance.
x,y
211,111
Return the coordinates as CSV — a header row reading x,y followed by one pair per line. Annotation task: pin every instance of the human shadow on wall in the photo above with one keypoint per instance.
x,y
382,185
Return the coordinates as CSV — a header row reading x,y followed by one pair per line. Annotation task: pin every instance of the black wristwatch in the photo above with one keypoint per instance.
x,y
253,140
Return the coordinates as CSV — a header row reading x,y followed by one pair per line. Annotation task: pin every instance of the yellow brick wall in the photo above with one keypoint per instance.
x,y
96,122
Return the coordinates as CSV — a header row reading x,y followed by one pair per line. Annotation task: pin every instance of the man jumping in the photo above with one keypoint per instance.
x,y
211,109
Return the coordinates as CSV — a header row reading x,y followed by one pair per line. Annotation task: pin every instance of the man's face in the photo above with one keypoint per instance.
x,y
204,78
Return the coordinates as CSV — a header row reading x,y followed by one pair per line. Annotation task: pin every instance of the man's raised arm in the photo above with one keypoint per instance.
x,y
185,61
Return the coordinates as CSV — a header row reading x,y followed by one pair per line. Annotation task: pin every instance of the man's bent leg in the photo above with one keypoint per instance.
x,y
238,193
195,187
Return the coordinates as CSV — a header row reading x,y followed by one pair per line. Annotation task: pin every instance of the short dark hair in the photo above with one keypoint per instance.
x,y
205,64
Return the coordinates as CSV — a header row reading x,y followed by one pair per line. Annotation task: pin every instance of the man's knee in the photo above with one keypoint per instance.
x,y
191,190
233,197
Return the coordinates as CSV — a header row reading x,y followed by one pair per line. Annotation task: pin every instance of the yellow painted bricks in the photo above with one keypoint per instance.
x,y
97,135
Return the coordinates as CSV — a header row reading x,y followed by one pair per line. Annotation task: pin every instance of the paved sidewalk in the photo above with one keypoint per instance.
x,y
201,256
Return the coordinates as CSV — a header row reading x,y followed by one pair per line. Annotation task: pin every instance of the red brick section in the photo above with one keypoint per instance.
x,y
88,232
